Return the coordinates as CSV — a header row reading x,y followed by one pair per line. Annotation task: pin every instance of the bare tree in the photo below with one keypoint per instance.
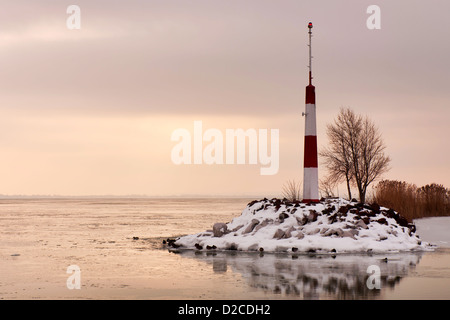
x,y
370,158
356,151
338,155
292,190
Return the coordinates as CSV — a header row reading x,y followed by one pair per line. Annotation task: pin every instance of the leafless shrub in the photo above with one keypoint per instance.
x,y
292,190
326,186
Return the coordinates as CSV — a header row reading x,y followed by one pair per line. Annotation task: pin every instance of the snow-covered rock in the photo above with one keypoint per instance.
x,y
333,225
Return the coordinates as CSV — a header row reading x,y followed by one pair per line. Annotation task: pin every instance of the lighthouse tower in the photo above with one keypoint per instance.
x,y
310,172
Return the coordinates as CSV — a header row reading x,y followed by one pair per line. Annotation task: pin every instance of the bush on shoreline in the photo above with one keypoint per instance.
x,y
413,202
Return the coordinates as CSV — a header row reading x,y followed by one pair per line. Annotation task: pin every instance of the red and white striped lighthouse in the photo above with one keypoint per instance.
x,y
310,171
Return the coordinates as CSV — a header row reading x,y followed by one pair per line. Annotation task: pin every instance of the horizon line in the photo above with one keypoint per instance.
x,y
130,196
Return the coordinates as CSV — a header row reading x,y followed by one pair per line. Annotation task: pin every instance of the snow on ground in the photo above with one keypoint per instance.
x,y
333,225
435,230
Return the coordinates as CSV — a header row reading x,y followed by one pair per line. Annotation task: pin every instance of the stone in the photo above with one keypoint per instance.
x,y
237,228
233,246
251,226
338,232
300,235
312,215
281,249
361,224
375,207
393,232
402,221
302,221
219,229
260,208
312,232
263,224
252,203
174,245
333,218
344,209
350,233
366,220
370,213
328,210
279,234
288,233
283,216
390,214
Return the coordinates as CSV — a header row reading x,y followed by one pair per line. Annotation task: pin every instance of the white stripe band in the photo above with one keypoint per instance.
x,y
310,121
310,183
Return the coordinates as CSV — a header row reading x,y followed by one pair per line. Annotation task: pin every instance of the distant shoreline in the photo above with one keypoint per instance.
x,y
12,197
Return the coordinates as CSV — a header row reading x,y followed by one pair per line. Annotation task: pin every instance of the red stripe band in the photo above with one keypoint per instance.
x,y
310,156
310,94
310,200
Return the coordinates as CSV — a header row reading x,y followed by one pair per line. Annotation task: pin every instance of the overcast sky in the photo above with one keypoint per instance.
x,y
91,111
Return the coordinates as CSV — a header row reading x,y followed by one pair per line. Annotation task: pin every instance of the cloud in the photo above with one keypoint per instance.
x,y
62,92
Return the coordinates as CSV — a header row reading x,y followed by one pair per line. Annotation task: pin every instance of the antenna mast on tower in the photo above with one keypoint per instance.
x,y
310,56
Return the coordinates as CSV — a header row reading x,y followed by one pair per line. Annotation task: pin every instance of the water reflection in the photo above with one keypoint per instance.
x,y
312,276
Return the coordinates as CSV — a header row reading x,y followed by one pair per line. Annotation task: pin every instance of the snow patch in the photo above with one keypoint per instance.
x,y
435,230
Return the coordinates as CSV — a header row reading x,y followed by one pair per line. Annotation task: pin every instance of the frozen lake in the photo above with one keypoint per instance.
x,y
40,238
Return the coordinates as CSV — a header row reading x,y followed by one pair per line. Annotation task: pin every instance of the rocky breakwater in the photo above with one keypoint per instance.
x,y
331,226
